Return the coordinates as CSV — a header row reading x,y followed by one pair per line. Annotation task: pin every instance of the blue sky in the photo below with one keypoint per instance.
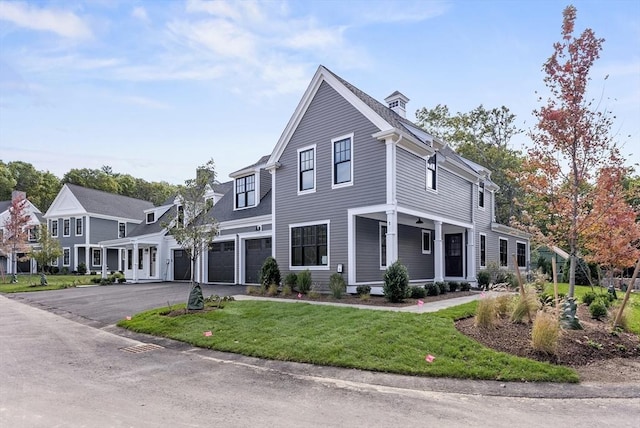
x,y
156,88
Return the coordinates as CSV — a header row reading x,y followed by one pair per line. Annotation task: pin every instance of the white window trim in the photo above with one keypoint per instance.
x,y
93,250
484,191
147,217
427,171
311,223
525,254
69,262
480,250
333,169
315,169
380,226
125,229
64,220
499,245
81,220
426,232
57,222
256,189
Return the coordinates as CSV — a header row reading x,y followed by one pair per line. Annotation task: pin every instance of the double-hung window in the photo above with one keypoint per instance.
x,y
32,234
504,258
521,254
66,227
481,194
54,228
309,245
342,161
122,230
79,226
66,256
246,191
432,172
426,241
383,246
96,257
306,170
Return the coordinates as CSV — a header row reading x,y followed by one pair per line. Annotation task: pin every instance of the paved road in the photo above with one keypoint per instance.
x,y
104,305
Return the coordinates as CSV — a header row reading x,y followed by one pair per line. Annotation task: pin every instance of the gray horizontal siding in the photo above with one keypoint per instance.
x,y
368,250
103,230
419,266
453,196
328,116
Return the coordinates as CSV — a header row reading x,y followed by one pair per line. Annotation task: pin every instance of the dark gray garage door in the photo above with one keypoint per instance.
x,y
181,266
256,250
222,262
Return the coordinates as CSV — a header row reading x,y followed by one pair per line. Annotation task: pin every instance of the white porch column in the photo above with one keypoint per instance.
x,y
136,259
103,259
392,237
438,256
471,255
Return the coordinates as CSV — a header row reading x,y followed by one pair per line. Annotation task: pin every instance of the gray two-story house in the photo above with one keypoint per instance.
x,y
357,186
80,218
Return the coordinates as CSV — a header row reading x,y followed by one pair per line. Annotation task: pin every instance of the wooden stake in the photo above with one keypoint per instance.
x,y
555,286
627,294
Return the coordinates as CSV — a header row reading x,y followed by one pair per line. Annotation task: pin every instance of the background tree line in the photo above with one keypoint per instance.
x,y
43,186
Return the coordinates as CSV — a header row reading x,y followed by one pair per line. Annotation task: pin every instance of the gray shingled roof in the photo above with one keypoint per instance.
x,y
156,227
104,203
262,160
4,205
223,210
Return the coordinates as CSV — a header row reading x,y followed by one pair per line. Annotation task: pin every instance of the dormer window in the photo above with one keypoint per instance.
x,y
180,218
246,191
151,217
122,230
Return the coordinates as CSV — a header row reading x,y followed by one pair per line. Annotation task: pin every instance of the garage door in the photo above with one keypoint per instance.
x,y
256,250
181,266
222,262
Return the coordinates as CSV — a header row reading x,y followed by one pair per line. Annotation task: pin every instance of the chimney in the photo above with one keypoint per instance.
x,y
17,194
397,102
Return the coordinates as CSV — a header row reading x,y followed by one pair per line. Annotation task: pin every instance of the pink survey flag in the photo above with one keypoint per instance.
x,y
420,303
482,295
128,318
208,333
429,358
299,295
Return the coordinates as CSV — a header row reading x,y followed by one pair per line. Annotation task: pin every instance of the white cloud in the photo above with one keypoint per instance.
x,y
145,102
140,13
65,24
394,12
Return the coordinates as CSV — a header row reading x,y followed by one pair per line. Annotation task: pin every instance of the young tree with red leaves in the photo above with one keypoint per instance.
x,y
14,231
612,235
571,144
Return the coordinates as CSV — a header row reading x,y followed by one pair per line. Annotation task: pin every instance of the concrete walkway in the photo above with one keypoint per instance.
x,y
417,308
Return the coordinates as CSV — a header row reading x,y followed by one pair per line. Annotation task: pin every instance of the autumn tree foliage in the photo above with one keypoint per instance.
x,y
572,144
15,239
612,238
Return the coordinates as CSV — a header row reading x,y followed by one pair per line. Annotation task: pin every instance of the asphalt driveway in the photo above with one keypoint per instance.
x,y
103,305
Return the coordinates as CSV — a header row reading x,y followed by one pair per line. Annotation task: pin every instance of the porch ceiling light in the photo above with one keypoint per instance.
x,y
419,221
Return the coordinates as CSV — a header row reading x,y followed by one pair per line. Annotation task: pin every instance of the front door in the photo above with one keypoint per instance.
x,y
453,255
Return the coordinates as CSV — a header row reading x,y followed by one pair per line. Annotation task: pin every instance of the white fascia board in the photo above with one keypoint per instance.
x,y
508,230
445,220
55,209
406,141
322,75
250,221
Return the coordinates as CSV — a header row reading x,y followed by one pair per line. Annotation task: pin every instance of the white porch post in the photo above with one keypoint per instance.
x,y
438,256
136,259
392,237
103,260
471,255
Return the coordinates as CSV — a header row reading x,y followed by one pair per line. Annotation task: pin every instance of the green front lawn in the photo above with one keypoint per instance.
x,y
32,282
383,341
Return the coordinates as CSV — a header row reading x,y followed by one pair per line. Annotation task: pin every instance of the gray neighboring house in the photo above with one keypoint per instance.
x,y
357,186
80,218
27,265
240,208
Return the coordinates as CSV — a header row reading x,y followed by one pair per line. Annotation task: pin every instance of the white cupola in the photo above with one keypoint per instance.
x,y
398,103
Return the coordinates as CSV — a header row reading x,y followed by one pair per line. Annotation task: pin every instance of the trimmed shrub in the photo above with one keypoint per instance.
x,y
432,289
363,289
589,297
486,313
396,282
291,279
484,277
337,285
96,279
598,309
270,272
443,287
82,268
545,333
453,286
465,286
417,292
304,281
